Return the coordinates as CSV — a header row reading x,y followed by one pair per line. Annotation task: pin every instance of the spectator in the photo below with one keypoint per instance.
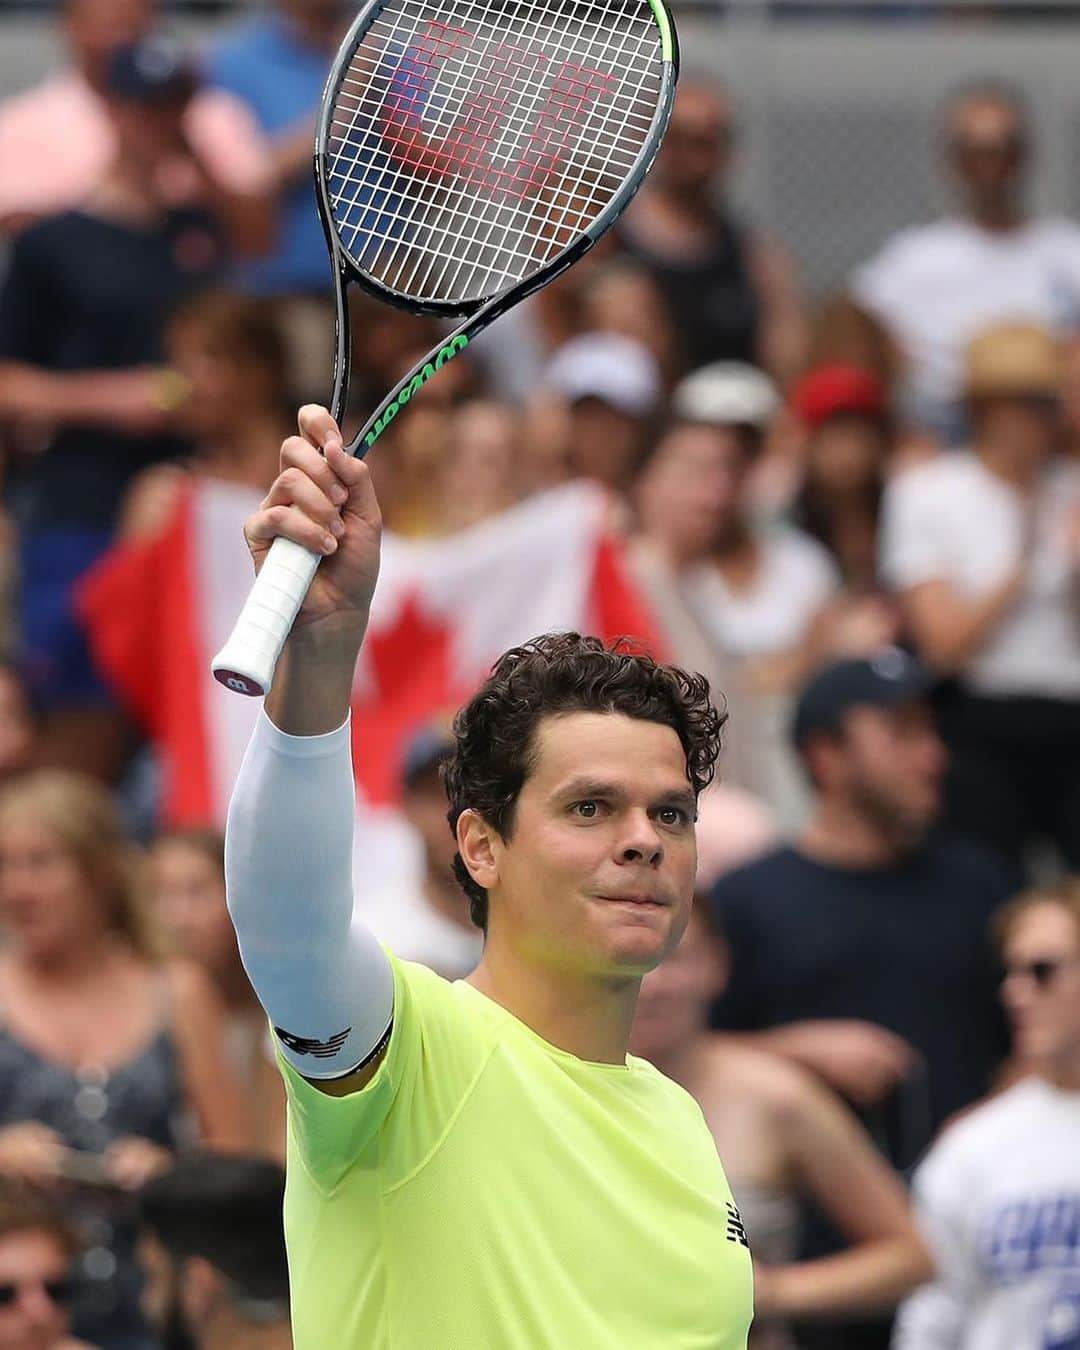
x,y
758,590
999,1195
153,621
82,316
844,412
103,1050
214,1227
430,924
894,914
480,476
732,293
737,599
37,1249
276,63
229,352
781,1136
58,141
621,297
936,286
609,393
982,549
849,443
187,886
859,952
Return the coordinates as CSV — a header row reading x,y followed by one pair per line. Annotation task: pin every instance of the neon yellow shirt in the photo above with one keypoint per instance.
x,y
488,1191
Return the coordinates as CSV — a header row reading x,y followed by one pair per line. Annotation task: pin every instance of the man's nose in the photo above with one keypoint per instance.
x,y
641,841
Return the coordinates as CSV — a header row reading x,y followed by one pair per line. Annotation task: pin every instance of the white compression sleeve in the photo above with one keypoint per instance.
x,y
323,979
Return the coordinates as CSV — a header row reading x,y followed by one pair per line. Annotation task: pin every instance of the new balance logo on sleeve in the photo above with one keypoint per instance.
x,y
735,1230
306,1045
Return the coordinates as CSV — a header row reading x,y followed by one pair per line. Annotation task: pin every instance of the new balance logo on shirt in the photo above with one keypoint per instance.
x,y
305,1045
735,1230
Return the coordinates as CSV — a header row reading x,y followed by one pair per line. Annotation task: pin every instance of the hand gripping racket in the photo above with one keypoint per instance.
x,y
468,152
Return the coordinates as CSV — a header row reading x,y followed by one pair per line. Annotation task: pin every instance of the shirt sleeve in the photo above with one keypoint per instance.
x,y
879,284
936,1316
435,1055
226,134
914,545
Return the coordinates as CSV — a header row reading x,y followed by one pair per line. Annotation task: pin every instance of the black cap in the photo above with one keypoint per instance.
x,y
155,70
426,750
889,678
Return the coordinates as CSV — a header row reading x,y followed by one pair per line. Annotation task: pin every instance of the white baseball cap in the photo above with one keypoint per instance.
x,y
728,393
609,367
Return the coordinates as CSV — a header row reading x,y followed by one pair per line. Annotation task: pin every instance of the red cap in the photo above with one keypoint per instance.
x,y
830,390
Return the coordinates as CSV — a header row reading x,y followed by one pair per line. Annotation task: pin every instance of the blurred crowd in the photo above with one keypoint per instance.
x,y
860,516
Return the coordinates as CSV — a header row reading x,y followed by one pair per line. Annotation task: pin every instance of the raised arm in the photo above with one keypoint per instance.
x,y
321,976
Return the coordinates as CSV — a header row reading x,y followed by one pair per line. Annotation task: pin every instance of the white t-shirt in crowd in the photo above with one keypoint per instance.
x,y
937,286
953,520
998,1199
795,580
414,930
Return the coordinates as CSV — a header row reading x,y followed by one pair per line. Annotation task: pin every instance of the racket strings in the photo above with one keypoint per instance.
x,y
471,142
525,231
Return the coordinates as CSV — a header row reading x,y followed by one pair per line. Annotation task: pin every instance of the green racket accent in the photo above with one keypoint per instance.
x,y
667,35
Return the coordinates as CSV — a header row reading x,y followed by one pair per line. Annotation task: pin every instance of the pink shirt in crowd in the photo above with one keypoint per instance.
x,y
57,143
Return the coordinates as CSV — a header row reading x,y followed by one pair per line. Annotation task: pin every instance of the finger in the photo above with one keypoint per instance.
x,y
299,454
295,488
356,476
288,522
318,427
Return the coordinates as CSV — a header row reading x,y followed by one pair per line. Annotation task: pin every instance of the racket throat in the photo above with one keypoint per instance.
x,y
407,390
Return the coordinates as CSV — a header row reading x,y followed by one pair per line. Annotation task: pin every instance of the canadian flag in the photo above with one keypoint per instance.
x,y
157,610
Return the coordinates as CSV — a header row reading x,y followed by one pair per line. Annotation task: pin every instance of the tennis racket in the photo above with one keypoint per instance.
x,y
468,153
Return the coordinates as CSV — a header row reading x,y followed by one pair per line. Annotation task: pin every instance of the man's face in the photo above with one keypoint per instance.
x,y
987,152
891,765
33,1293
1041,990
697,144
598,875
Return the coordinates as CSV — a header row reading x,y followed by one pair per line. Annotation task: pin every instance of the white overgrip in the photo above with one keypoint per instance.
x,y
246,663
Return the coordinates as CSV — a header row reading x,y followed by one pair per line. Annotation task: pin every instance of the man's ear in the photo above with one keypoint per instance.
x,y
200,1288
477,843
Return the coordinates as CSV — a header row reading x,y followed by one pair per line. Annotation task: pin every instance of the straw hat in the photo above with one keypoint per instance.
x,y
1020,360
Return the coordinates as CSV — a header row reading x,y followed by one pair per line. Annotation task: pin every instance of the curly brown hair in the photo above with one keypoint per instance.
x,y
495,732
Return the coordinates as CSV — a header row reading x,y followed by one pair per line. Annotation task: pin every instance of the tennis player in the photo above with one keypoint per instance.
x,y
481,1165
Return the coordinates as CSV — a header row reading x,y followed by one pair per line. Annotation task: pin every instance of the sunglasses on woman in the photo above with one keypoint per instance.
x,y
59,1291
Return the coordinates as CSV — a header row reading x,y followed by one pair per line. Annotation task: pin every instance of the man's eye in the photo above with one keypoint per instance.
x,y
587,810
672,815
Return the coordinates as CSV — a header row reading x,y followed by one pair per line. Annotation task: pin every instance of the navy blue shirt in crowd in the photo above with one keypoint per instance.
x,y
83,292
906,946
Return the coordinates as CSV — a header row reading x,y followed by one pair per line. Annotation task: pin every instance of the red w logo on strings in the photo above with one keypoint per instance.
x,y
465,149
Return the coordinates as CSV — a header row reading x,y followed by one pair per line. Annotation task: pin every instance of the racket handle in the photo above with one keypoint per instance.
x,y
246,663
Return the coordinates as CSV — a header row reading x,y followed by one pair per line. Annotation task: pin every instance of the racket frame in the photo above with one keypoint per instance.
x,y
477,314
246,663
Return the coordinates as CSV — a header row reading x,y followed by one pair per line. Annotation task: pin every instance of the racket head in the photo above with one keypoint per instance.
x,y
468,148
